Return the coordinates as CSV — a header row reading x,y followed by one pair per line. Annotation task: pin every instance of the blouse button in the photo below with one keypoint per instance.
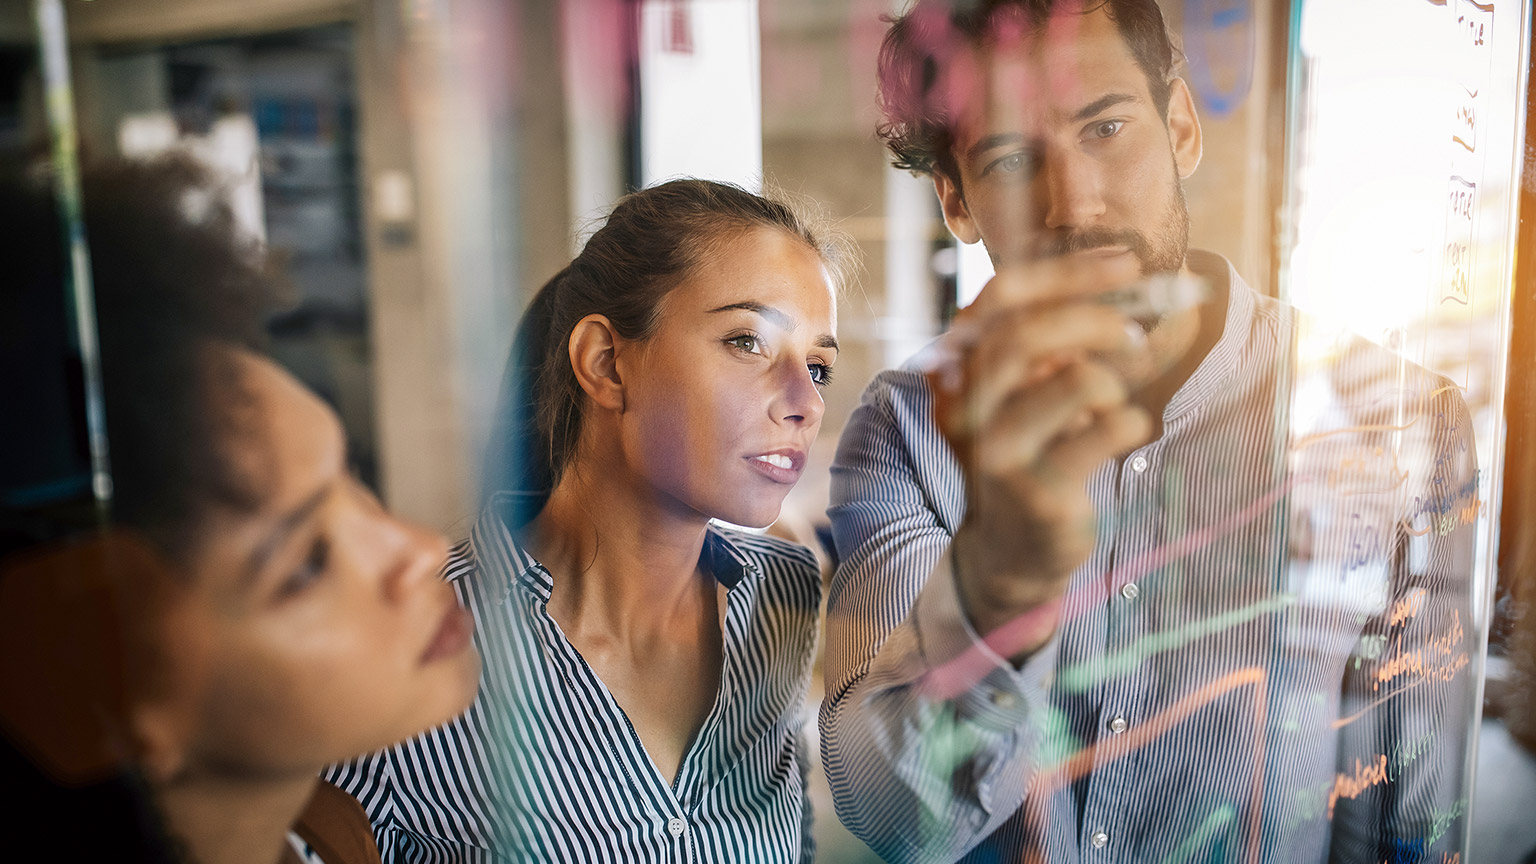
x,y
675,827
1139,464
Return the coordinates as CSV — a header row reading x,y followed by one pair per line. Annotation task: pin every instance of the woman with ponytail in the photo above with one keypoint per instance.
x,y
646,667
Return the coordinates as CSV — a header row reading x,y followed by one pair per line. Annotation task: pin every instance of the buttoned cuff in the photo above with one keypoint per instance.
x,y
990,690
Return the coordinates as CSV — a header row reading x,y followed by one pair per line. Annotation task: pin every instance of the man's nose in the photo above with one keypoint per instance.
x,y
1070,190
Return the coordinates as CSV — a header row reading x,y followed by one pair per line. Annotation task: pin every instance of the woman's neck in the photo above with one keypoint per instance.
x,y
622,559
235,821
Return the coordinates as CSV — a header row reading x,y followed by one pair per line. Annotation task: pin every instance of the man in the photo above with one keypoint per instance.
x,y
1164,590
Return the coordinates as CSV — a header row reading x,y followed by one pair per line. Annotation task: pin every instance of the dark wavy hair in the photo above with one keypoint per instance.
x,y
920,45
171,276
648,245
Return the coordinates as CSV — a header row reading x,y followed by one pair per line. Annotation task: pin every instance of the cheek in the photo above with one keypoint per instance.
x,y
682,435
298,690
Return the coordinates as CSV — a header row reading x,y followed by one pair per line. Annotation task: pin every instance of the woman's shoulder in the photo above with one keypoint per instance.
x,y
334,829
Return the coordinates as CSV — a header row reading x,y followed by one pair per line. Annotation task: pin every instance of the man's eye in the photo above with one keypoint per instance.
x,y
1107,129
1013,163
746,342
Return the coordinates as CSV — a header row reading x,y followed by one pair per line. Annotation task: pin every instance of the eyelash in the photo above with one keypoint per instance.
x,y
310,571
821,373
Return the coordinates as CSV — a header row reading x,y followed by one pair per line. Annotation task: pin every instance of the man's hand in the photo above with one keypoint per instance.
x,y
1031,407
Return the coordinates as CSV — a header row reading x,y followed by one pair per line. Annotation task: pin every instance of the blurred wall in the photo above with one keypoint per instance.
x,y
461,128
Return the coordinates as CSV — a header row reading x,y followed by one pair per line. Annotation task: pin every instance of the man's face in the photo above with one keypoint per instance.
x,y
1061,149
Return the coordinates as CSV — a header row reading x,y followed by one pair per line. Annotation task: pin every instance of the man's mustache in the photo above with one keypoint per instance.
x,y
1096,238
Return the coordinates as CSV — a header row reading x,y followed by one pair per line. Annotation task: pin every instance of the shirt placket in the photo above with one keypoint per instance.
x,y
1122,697
698,772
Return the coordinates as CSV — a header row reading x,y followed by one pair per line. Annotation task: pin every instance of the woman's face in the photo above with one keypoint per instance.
x,y
723,401
333,634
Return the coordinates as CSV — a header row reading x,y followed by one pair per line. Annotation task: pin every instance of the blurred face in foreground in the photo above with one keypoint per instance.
x,y
331,633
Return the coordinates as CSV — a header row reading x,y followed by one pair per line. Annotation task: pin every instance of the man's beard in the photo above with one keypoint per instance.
x,y
1162,253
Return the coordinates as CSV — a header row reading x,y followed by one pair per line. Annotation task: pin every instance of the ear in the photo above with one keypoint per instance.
x,y
1183,128
956,214
159,740
593,350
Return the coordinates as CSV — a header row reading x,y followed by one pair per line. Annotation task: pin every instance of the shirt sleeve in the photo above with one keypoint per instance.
x,y
929,738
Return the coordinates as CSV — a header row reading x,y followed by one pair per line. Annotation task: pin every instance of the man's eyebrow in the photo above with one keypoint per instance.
x,y
281,532
1099,105
779,319
990,141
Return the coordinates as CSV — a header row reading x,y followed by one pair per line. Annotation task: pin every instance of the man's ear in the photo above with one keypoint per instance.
x,y
1183,128
593,351
956,214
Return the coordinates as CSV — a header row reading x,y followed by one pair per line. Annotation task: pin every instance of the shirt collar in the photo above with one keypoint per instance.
x,y
503,559
1236,334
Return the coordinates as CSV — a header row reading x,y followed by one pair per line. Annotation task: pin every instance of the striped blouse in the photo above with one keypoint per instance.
x,y
545,766
1264,658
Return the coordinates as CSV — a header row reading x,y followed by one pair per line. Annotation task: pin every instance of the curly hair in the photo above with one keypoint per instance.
x,y
171,277
922,44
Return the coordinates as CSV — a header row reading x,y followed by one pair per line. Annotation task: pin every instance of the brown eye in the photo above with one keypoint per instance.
x,y
747,343
1108,129
310,571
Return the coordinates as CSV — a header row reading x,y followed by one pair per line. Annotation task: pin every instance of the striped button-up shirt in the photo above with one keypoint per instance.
x,y
545,765
1264,659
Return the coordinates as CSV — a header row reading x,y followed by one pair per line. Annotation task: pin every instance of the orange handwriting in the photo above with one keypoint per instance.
x,y
1351,785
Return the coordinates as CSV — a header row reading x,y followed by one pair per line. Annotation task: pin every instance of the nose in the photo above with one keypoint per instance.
x,y
417,556
1069,189
799,399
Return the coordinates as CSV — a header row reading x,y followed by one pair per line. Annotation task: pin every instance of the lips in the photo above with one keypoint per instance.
x,y
781,466
452,635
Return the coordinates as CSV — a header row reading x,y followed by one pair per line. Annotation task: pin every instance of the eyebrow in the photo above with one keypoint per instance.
x,y
1099,105
284,529
776,317
991,141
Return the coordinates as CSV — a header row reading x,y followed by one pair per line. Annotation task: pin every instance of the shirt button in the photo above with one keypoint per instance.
x,y
676,827
1129,591
1118,725
1003,699
1139,464
1099,839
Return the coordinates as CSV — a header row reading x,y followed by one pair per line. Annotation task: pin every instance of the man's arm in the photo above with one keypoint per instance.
x,y
916,774
960,504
